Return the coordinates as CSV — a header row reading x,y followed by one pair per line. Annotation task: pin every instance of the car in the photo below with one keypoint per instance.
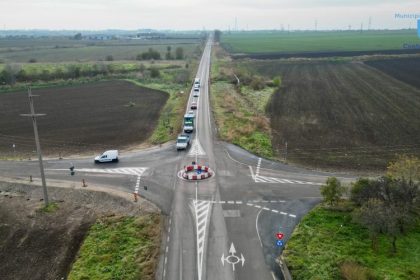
x,y
193,105
107,156
196,93
183,141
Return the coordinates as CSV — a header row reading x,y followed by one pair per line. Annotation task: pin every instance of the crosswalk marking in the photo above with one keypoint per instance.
x,y
136,171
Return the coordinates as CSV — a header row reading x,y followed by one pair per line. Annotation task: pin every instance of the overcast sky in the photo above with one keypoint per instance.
x,y
199,14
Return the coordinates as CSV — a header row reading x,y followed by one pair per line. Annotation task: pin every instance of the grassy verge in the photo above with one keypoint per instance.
x,y
119,248
50,208
328,245
171,116
239,113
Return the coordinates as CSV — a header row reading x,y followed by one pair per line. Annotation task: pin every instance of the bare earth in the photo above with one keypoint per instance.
x,y
38,245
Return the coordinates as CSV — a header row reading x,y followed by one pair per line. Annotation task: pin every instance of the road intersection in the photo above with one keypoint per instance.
x,y
219,228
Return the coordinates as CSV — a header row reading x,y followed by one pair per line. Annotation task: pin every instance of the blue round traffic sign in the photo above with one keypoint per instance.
x,y
279,243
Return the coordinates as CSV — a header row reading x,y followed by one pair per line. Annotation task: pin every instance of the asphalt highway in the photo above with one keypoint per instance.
x,y
220,228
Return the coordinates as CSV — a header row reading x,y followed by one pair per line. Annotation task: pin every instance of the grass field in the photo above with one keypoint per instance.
x,y
119,248
64,50
321,41
81,118
327,243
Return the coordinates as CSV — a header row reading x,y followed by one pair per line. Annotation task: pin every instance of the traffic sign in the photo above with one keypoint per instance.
x,y
280,235
279,243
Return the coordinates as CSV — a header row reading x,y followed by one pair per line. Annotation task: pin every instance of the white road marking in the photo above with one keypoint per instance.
x,y
256,226
232,258
258,167
202,210
272,180
196,149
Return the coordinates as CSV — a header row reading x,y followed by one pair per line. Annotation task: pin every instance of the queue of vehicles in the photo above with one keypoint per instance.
x,y
183,141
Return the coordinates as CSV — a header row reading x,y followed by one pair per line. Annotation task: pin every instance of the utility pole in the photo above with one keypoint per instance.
x,y
38,145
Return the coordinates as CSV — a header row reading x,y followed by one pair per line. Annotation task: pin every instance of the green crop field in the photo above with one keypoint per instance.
x,y
322,41
55,50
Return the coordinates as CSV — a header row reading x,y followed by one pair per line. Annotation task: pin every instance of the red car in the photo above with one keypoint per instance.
x,y
193,105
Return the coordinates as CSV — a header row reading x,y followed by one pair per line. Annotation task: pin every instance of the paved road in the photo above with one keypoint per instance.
x,y
221,228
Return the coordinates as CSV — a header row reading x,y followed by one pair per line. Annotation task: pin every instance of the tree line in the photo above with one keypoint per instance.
x,y
388,205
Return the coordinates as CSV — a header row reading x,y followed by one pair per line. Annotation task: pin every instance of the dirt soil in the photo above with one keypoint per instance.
x,y
342,115
85,118
39,245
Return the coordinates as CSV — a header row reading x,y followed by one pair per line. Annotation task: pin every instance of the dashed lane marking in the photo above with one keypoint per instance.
x,y
248,203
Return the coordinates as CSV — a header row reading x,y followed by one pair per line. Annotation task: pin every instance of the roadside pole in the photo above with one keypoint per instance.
x,y
38,145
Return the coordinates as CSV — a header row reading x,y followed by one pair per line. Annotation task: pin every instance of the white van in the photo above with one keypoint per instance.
x,y
108,156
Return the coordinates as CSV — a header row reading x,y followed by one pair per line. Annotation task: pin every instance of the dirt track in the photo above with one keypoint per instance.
x,y
85,118
37,245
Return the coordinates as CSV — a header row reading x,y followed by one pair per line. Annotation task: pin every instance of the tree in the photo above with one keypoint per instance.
x,y
78,36
372,216
179,53
363,190
109,58
332,190
405,167
394,199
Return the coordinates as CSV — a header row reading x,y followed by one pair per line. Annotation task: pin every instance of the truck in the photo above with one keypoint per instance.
x,y
183,141
189,123
107,156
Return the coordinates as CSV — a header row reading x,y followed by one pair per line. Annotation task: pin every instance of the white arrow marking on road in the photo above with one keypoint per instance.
x,y
232,258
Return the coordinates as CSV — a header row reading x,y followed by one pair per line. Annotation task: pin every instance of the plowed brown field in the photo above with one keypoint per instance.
x,y
83,118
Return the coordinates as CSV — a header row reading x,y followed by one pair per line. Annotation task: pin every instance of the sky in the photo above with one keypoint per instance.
x,y
205,14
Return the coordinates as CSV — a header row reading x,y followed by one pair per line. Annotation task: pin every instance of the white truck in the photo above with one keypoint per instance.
x,y
107,156
183,141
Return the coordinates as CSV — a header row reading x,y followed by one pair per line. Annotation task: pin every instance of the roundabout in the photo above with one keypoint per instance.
x,y
195,172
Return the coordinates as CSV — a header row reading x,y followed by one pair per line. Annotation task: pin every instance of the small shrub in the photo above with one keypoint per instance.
x,y
354,271
32,60
154,72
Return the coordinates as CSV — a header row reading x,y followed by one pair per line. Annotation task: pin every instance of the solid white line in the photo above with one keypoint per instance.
x,y
256,227
274,277
252,172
